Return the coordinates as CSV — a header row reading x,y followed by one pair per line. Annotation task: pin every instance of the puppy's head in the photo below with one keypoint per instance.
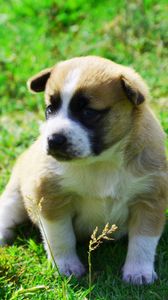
x,y
90,105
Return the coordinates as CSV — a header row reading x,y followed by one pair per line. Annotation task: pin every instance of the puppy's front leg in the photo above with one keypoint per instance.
x,y
145,228
60,236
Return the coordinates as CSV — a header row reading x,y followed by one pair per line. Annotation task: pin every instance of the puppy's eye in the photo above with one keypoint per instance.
x,y
50,110
91,116
54,106
90,113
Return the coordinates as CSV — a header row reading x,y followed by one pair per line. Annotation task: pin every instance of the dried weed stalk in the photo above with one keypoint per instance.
x,y
95,242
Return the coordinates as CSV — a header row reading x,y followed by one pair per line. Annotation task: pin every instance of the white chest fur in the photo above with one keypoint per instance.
x,y
103,191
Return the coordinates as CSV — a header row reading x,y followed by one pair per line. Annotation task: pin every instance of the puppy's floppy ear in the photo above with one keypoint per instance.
x,y
38,82
134,87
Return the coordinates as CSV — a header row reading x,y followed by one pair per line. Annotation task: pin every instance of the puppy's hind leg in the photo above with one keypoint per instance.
x,y
12,211
145,228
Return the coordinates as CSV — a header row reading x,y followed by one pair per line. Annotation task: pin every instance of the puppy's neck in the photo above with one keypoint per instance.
x,y
112,158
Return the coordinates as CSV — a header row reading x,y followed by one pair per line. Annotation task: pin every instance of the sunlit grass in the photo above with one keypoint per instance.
x,y
37,34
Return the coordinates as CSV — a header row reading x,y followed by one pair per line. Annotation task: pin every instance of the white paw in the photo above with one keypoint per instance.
x,y
70,265
139,275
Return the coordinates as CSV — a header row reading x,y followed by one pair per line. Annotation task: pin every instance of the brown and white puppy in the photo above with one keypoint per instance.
x,y
100,158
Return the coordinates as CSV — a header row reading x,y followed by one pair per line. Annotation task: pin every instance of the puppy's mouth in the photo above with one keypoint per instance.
x,y
61,156
61,149
58,147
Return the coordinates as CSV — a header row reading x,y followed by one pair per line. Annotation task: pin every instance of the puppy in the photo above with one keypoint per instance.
x,y
99,158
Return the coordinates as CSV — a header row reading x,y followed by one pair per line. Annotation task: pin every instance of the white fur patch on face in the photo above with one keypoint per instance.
x,y
139,265
69,88
77,136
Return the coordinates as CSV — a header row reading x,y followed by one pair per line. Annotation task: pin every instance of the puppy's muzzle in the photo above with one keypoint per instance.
x,y
58,146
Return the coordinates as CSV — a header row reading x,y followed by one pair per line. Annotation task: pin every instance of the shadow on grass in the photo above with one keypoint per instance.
x,y
107,262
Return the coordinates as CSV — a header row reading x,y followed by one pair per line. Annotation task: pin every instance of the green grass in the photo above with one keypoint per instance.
x,y
35,35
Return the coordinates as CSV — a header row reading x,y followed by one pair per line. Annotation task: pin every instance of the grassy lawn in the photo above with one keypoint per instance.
x,y
34,35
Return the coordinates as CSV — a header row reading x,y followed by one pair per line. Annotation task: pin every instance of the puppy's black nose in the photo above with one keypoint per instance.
x,y
56,142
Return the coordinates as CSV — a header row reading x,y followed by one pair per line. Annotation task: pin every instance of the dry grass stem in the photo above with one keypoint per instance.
x,y
28,291
94,243
104,235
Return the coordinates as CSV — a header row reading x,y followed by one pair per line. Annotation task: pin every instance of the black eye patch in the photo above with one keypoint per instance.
x,y
54,106
78,102
90,116
80,110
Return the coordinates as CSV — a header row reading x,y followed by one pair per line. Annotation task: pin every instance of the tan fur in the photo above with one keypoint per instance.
x,y
153,217
144,149
100,79
140,154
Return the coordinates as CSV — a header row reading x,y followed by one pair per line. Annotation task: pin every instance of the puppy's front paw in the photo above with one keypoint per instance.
x,y
70,265
139,275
